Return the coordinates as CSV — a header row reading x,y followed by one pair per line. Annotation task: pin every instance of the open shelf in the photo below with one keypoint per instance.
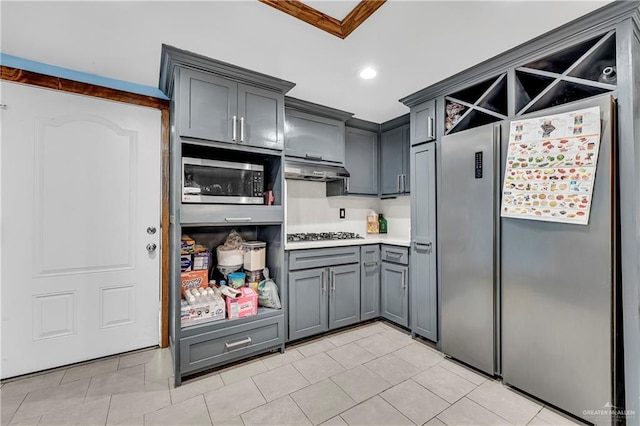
x,y
474,106
581,71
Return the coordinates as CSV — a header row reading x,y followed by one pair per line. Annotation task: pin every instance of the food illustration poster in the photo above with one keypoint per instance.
x,y
551,167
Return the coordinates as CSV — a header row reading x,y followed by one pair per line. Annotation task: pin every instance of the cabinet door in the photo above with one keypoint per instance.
x,y
424,307
207,105
406,159
361,160
391,162
308,310
261,117
314,138
394,292
423,122
344,295
370,283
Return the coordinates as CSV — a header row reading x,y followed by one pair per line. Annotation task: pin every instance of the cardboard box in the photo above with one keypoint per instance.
x,y
194,279
212,310
186,262
243,306
201,261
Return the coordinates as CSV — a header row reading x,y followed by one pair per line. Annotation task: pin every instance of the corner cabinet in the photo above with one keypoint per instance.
x,y
370,282
394,284
424,304
395,176
314,132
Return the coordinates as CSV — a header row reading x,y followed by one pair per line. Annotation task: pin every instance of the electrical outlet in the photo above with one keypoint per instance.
x,y
342,214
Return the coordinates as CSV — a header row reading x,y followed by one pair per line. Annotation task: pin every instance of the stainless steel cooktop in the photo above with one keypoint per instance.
x,y
322,236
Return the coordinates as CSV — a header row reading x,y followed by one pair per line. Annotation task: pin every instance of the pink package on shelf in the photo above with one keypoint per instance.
x,y
244,305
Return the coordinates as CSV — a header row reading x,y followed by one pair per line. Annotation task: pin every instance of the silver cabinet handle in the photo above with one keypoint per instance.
x,y
324,282
430,128
423,246
313,157
237,219
151,247
246,341
394,253
333,281
404,280
346,184
234,131
366,264
399,179
241,129
404,183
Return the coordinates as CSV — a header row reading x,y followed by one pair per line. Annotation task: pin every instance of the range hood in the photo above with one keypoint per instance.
x,y
315,172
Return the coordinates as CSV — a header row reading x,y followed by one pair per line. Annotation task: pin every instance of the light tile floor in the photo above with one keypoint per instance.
x,y
374,374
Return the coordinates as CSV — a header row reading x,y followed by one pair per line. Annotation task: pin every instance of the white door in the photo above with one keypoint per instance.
x,y
81,184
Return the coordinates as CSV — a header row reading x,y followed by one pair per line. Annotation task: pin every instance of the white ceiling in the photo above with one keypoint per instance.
x,y
413,44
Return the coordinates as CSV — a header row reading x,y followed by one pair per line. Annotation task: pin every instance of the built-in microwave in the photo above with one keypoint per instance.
x,y
213,181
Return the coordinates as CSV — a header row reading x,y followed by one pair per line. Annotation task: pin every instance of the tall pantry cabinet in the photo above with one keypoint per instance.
x,y
225,113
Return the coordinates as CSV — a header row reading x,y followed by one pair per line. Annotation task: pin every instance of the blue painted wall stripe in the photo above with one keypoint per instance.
x,y
69,74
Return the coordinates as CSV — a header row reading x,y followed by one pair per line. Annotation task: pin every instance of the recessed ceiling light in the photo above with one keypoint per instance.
x,y
368,73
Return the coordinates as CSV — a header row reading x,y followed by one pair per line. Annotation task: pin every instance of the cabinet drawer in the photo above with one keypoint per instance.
x,y
216,214
395,254
318,258
217,347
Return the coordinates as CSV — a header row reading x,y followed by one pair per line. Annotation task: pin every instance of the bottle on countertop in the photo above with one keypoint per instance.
x,y
382,223
373,226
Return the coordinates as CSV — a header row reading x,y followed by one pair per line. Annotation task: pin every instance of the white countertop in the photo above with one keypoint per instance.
x,y
368,239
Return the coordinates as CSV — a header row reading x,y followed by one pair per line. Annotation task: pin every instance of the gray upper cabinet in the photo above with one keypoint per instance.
x,y
424,307
206,106
314,138
394,293
314,132
361,160
222,103
261,115
344,295
222,110
370,282
308,312
423,122
394,161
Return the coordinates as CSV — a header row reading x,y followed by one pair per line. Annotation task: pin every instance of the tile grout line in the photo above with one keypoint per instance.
x,y
209,412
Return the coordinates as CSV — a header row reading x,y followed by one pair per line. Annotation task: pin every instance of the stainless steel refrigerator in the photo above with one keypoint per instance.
x,y
532,301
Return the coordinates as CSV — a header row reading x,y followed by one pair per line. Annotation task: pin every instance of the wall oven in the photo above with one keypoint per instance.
x,y
221,182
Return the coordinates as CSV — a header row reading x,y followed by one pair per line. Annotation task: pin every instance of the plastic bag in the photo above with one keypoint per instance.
x,y
268,292
233,242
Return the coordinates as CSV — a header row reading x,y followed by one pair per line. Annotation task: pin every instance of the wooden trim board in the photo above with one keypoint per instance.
x,y
65,85
308,14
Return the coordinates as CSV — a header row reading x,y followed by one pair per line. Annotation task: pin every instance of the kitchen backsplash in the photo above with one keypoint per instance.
x,y
308,209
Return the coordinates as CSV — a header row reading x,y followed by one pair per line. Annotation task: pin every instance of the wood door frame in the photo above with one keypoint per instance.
x,y
56,83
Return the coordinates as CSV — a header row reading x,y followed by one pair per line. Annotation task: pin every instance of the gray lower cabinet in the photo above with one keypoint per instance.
x,y
308,303
394,284
217,109
424,306
370,282
323,290
344,295
203,350
394,161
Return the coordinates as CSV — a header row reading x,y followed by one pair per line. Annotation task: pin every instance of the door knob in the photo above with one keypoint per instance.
x,y
151,247
151,230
